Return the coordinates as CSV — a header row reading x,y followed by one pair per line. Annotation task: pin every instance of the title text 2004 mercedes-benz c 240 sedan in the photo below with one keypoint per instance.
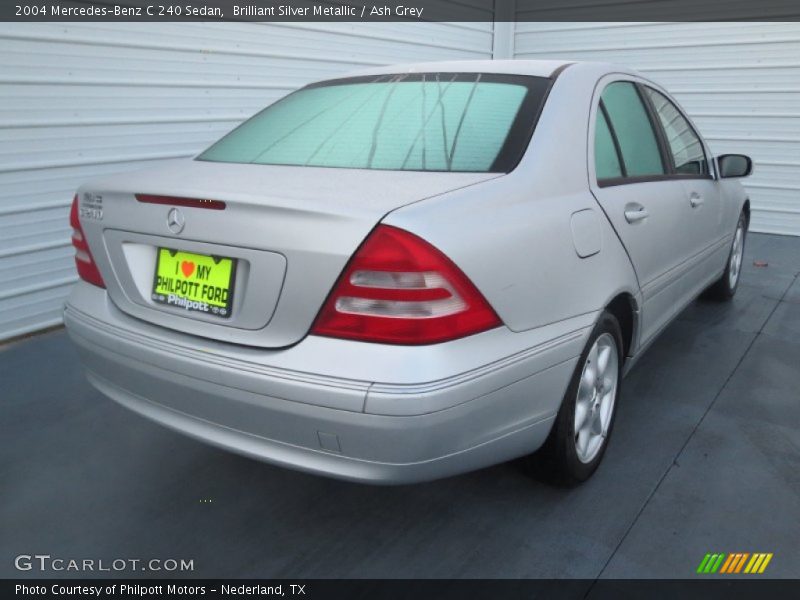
x,y
409,272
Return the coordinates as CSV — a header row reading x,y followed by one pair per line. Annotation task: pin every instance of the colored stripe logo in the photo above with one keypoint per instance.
x,y
737,562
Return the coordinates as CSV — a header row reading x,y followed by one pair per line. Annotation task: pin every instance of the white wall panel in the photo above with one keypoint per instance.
x,y
740,82
84,99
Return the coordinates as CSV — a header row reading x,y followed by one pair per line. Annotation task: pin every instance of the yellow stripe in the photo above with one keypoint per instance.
x,y
729,560
741,562
765,563
758,563
751,563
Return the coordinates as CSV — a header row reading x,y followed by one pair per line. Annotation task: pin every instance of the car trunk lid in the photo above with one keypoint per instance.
x,y
289,230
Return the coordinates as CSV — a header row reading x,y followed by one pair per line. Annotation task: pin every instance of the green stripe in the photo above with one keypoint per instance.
x,y
710,564
718,563
703,563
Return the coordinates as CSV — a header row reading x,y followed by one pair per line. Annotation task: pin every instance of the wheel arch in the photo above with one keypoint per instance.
x,y
625,309
746,211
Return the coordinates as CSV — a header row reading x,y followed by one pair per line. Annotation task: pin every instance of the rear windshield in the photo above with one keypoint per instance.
x,y
475,122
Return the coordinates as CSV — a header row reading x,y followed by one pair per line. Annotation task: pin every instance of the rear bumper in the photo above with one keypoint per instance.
x,y
384,431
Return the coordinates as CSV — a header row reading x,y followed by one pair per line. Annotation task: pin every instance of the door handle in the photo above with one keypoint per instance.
x,y
635,215
695,200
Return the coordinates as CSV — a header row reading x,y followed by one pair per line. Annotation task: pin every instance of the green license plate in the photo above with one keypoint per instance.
x,y
194,282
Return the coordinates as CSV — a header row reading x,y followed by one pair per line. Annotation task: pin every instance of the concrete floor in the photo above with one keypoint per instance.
x,y
705,458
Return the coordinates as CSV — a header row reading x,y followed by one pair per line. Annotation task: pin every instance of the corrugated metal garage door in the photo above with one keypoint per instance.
x,y
740,82
80,100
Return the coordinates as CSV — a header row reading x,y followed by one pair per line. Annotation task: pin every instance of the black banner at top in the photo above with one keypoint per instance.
x,y
399,10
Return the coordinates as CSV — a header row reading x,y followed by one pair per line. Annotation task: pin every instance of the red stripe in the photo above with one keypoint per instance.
x,y
175,201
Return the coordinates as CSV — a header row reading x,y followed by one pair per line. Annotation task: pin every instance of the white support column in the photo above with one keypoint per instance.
x,y
503,41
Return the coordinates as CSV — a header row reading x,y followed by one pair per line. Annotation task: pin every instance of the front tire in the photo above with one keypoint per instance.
x,y
582,428
725,287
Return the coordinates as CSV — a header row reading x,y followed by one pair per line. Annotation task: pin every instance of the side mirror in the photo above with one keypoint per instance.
x,y
734,165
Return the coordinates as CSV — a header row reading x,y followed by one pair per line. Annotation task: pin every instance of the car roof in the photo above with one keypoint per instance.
x,y
538,68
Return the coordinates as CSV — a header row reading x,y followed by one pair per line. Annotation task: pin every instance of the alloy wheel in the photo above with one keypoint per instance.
x,y
597,393
735,266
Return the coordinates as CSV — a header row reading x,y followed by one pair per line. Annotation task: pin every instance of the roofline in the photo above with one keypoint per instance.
x,y
539,68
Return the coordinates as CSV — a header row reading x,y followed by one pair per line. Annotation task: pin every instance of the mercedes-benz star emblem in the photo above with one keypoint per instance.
x,y
175,221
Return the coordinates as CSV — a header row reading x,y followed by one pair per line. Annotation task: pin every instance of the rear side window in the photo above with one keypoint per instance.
x,y
477,122
634,131
684,144
606,158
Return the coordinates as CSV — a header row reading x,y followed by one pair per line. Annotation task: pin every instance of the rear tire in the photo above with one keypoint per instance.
x,y
583,426
725,287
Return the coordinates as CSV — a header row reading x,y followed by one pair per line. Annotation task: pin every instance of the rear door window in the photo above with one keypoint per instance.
x,y
630,123
607,161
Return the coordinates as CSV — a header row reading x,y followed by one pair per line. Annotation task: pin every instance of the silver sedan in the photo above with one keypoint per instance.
x,y
409,272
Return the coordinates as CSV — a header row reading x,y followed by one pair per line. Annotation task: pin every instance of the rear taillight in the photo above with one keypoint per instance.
x,y
398,289
87,269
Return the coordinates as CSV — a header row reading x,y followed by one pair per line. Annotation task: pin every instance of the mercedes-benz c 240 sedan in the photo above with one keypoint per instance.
x,y
409,272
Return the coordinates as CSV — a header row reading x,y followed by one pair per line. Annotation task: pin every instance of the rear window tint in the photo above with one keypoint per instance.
x,y
422,122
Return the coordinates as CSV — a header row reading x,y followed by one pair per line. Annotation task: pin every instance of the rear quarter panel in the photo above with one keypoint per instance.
x,y
513,237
